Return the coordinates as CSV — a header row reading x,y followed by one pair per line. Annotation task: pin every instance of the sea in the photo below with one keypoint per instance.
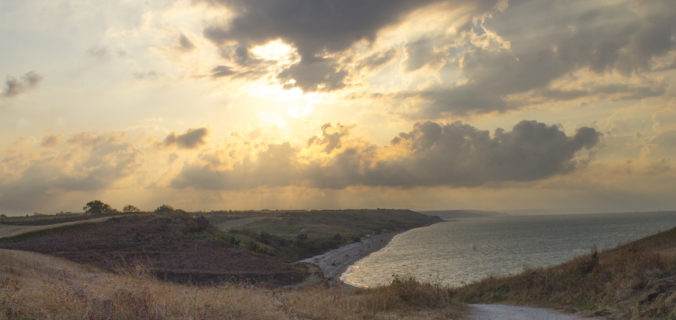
x,y
461,251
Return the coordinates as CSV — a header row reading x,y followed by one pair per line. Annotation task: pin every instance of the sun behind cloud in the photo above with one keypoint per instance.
x,y
423,104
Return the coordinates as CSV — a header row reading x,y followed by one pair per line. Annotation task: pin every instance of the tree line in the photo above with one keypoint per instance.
x,y
98,207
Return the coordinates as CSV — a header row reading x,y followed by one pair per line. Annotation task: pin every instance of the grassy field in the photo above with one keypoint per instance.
x,y
35,286
633,281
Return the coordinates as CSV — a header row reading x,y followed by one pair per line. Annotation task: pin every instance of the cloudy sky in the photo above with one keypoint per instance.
x,y
424,104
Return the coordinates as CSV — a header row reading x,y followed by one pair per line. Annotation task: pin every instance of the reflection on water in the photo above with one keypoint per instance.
x,y
466,250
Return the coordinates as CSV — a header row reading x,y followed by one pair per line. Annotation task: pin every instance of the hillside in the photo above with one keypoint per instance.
x,y
632,281
461,214
187,247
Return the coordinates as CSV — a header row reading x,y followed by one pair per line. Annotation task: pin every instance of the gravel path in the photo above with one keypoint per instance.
x,y
503,312
7,230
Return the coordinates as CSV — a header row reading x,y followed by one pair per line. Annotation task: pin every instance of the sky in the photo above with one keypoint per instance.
x,y
305,104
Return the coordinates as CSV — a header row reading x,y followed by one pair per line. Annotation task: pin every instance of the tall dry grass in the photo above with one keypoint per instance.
x,y
634,281
34,286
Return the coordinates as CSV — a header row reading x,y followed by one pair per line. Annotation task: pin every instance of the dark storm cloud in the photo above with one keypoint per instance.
x,y
314,74
378,59
50,141
552,39
420,53
666,140
241,64
99,52
461,155
311,26
15,87
275,166
316,28
193,138
184,44
331,137
433,155
617,91
221,71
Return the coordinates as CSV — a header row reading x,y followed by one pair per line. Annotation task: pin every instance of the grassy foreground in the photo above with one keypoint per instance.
x,y
633,281
35,286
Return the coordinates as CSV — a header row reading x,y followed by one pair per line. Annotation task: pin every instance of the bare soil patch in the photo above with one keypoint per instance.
x,y
176,248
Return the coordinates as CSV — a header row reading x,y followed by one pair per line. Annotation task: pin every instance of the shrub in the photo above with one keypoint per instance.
x,y
165,208
590,263
405,292
130,209
97,207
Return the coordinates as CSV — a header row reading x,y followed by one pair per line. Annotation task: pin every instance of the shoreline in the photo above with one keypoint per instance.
x,y
334,263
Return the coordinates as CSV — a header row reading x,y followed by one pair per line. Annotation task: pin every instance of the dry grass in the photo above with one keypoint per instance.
x,y
404,298
635,281
34,286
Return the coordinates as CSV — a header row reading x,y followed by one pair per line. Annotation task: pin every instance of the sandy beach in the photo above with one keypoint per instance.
x,y
333,263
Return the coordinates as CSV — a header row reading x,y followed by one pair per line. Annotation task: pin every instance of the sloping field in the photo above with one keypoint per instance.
x,y
176,247
36,286
258,247
633,281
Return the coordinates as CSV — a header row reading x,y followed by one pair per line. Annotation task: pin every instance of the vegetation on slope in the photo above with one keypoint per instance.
x,y
633,281
182,246
172,246
296,235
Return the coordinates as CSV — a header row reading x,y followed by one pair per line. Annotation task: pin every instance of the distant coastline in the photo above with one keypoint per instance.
x,y
335,262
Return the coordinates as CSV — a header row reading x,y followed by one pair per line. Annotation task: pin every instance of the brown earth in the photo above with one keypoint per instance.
x,y
176,248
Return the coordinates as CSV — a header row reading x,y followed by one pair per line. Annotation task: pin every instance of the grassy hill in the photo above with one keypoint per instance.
x,y
296,235
188,247
632,281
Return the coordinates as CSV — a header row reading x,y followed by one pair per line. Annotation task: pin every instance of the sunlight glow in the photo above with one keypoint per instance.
x,y
300,112
273,50
271,119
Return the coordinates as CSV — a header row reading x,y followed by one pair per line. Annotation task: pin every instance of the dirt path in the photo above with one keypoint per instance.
x,y
7,230
503,312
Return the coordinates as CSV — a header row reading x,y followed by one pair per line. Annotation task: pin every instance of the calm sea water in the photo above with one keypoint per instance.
x,y
465,250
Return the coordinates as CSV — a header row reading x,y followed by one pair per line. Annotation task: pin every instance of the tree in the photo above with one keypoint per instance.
x,y
131,209
97,207
164,208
